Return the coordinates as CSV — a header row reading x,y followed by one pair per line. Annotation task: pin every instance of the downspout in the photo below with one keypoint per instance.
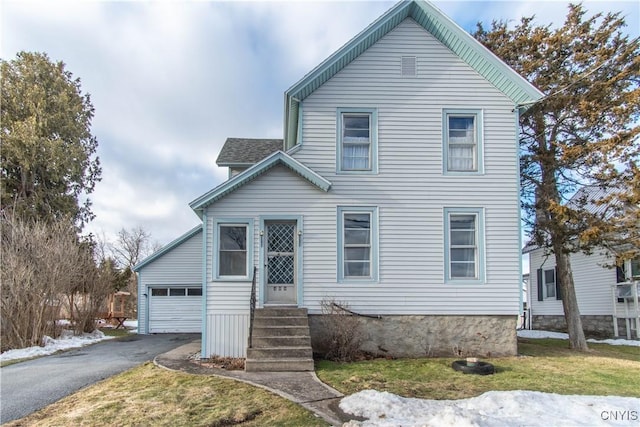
x,y
203,338
142,293
521,296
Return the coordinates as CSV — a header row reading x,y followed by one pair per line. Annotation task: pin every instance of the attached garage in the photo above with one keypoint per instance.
x,y
170,287
175,309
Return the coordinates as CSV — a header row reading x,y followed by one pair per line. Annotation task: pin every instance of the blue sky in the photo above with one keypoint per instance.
x,y
170,81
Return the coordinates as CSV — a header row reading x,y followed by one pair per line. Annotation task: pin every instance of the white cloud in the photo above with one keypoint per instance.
x,y
170,81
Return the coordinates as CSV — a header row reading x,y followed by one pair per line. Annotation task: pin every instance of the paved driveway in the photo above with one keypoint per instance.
x,y
28,386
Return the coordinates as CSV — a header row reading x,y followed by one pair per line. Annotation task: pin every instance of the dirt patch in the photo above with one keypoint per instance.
x,y
226,363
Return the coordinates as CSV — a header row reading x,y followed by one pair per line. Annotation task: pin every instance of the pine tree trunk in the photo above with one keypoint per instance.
x,y
577,340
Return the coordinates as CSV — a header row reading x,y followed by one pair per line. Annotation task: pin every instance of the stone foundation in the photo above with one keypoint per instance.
x,y
594,326
420,336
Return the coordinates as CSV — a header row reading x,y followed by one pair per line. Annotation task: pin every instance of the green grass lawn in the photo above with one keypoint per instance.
x,y
148,395
112,332
152,396
543,365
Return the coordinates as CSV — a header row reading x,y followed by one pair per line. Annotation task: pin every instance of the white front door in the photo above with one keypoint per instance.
x,y
280,262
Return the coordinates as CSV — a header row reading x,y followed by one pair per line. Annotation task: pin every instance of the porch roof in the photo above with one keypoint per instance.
x,y
246,151
275,159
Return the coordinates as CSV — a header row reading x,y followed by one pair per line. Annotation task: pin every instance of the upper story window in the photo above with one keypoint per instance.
x,y
464,245
357,140
628,270
357,243
232,256
462,145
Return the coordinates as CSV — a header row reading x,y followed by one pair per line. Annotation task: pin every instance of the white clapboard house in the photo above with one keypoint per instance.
x,y
604,291
394,192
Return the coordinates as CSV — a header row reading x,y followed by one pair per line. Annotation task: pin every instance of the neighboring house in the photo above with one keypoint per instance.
x,y
594,279
395,191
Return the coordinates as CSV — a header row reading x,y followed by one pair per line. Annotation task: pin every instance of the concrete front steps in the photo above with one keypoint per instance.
x,y
281,341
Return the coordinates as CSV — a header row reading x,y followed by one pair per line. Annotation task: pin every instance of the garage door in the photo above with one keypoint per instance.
x,y
175,309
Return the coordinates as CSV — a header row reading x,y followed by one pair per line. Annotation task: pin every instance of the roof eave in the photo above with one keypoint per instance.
x,y
514,86
234,165
168,247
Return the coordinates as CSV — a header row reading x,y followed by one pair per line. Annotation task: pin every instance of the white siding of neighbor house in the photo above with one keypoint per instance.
x,y
182,265
591,278
410,189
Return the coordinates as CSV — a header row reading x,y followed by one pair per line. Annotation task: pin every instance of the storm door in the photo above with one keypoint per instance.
x,y
280,262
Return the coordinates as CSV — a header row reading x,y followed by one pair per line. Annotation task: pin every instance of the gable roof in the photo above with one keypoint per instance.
x,y
169,247
246,151
589,199
275,159
481,59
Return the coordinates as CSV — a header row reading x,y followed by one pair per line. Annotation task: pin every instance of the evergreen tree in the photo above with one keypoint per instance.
x,y
48,152
583,132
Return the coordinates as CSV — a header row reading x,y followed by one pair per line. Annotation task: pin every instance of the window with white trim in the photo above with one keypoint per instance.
x,y
462,145
464,246
548,283
357,143
232,250
633,268
357,240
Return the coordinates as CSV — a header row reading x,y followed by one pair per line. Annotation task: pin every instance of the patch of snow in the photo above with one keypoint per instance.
x,y
494,408
633,343
67,340
132,325
529,333
535,334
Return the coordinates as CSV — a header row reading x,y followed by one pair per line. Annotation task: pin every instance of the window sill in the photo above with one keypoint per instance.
x,y
465,282
462,173
355,172
363,281
232,279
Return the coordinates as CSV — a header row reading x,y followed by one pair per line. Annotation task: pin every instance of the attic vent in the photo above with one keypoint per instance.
x,y
408,66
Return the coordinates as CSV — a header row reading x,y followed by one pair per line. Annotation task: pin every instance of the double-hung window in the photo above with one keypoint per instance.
x,y
357,145
462,145
464,245
548,283
357,243
233,249
633,267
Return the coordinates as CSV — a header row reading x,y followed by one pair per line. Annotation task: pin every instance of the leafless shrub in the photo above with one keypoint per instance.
x,y
43,266
342,331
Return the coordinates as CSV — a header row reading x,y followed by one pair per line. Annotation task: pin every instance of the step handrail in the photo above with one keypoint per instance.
x,y
252,306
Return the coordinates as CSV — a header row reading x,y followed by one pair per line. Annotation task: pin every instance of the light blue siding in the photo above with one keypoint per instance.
x,y
410,192
181,265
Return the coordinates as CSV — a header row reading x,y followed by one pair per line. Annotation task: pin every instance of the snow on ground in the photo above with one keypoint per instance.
x,y
494,409
497,408
132,326
66,341
526,333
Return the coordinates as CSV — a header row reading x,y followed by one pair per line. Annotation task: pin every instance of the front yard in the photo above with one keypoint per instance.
x,y
543,365
148,395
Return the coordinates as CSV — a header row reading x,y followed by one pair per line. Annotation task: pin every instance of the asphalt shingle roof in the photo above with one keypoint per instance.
x,y
237,151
